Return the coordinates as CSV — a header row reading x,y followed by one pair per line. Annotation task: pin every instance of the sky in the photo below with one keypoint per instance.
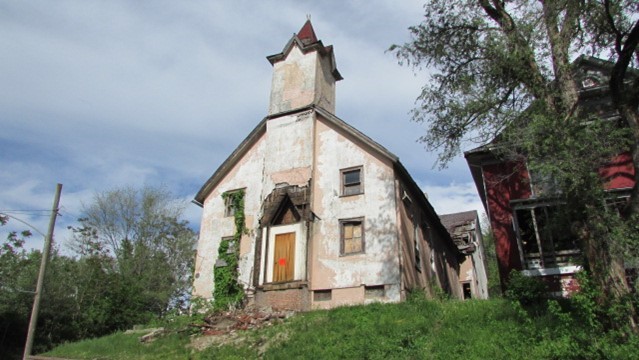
x,y
97,95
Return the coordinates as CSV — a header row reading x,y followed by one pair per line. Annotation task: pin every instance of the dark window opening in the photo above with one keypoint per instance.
x,y
374,292
545,238
466,290
322,295
229,207
352,181
418,257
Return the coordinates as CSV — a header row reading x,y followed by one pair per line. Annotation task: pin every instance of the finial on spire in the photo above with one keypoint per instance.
x,y
308,17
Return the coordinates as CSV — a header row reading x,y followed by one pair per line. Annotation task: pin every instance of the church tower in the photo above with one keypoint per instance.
x,y
304,74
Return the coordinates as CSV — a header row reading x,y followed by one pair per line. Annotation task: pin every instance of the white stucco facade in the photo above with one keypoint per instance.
x,y
303,149
292,168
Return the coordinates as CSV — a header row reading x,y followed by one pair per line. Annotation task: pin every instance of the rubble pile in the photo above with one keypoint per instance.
x,y
244,319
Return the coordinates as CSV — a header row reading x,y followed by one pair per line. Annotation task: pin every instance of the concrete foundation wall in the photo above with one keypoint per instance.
x,y
285,299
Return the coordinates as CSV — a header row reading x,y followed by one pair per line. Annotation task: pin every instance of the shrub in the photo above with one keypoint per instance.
x,y
525,289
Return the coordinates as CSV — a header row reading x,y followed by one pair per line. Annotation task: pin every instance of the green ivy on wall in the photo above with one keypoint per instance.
x,y
228,291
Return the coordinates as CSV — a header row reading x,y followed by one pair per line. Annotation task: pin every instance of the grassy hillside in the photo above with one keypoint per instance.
x,y
494,329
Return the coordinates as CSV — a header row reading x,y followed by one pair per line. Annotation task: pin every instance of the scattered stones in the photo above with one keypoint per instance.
x,y
226,327
244,319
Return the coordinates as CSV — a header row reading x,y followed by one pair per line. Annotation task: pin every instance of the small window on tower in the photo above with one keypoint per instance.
x,y
352,181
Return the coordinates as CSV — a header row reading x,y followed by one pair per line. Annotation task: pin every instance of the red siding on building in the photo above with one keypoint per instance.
x,y
619,174
505,182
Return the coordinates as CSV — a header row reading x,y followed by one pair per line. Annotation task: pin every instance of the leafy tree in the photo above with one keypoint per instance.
x,y
138,237
492,271
18,274
505,67
111,284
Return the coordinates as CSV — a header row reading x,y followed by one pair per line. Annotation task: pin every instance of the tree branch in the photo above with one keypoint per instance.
x,y
534,81
613,26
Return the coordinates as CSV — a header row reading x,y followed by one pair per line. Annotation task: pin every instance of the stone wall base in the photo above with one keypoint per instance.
x,y
296,298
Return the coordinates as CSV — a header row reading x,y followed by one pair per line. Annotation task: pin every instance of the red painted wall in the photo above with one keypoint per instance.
x,y
505,182
619,173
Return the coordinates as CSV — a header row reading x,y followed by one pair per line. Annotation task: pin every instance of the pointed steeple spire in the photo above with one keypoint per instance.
x,y
307,34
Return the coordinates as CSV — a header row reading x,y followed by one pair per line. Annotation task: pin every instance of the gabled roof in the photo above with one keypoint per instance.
x,y
294,197
457,225
307,41
260,130
451,221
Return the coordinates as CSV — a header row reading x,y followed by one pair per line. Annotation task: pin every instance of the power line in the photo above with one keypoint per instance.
x,y
26,223
5,287
31,213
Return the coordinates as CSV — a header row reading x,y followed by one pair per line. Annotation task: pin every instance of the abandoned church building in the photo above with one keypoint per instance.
x,y
332,217
520,204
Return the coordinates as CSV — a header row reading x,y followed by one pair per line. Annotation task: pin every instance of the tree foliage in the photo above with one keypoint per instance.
x,y
489,60
492,270
125,271
18,274
506,70
138,235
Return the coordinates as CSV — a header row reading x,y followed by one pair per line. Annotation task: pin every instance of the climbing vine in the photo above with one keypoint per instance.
x,y
228,291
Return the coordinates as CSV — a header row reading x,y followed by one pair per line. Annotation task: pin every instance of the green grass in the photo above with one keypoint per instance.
x,y
124,346
416,329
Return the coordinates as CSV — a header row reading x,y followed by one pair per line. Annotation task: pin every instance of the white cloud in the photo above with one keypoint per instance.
x,y
101,94
454,198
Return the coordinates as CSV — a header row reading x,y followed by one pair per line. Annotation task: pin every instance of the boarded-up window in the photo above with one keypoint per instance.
x,y
352,236
352,181
284,257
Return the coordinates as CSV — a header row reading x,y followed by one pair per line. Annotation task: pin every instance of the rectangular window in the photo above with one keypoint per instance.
x,y
543,184
544,238
352,236
352,181
231,246
229,207
374,292
322,295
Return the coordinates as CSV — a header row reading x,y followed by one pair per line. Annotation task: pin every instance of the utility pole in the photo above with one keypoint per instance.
x,y
43,264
